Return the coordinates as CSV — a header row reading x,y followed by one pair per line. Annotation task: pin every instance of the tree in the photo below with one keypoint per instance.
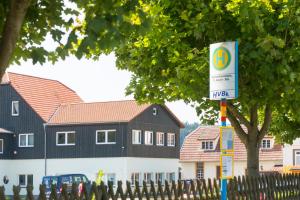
x,y
75,27
171,62
188,128
165,44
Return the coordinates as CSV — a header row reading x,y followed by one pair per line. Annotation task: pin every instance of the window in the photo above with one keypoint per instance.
x,y
207,145
266,144
106,137
160,140
297,157
1,146
25,180
135,177
148,178
148,137
199,170
170,177
111,177
154,111
171,139
159,177
136,136
26,140
15,108
65,138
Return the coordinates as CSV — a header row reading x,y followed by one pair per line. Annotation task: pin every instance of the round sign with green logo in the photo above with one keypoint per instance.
x,y
221,58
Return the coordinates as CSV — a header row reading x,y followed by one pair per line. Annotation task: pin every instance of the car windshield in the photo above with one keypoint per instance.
x,y
48,181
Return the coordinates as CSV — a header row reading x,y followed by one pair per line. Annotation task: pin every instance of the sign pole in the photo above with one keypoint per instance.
x,y
223,85
223,124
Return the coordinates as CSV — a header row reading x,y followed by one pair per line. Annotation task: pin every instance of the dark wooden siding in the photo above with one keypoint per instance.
x,y
85,141
27,122
8,142
162,122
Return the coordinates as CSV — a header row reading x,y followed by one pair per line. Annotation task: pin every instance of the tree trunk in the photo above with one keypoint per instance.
x,y
253,136
252,158
13,24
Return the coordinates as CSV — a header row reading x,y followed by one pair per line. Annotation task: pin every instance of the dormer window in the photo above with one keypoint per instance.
x,y
15,108
266,144
207,145
154,111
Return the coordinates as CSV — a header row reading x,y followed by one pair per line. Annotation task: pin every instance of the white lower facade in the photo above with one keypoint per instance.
x,y
210,169
119,168
291,153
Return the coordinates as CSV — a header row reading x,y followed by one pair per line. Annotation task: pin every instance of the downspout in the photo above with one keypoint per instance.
x,y
45,148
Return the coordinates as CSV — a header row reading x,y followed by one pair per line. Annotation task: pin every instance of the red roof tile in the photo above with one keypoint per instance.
x,y
191,149
99,112
43,95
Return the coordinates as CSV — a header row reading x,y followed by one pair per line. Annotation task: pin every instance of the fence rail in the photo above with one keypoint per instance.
x,y
269,187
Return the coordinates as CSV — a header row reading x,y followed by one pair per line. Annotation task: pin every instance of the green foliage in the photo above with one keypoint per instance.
x,y
173,62
79,27
188,128
166,45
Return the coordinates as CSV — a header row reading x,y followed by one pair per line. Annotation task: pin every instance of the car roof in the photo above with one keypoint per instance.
x,y
71,175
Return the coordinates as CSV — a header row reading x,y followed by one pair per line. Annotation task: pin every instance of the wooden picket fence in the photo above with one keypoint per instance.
x,y
269,187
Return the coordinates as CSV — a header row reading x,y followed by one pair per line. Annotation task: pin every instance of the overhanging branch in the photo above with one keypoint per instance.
x,y
239,130
238,115
267,122
11,31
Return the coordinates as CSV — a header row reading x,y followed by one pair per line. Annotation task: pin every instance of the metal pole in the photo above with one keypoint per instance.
x,y
223,123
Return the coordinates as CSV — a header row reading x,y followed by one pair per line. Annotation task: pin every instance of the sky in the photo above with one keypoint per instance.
x,y
96,81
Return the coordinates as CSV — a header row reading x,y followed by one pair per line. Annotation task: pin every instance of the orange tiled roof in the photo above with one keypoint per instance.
x,y
99,112
43,95
191,152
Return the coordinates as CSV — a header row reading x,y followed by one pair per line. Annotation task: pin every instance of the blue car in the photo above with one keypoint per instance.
x,y
67,179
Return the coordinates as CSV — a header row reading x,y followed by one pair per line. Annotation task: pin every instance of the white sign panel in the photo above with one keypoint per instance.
x,y
223,71
226,138
227,166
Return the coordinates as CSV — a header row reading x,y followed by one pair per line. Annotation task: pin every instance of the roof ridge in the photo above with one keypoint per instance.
x,y
95,102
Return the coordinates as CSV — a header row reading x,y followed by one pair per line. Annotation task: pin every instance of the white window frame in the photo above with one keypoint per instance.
x,y
148,179
66,138
13,103
157,174
208,145
147,135
134,133
199,170
154,111
160,138
27,135
26,179
266,144
169,175
171,139
2,146
133,177
295,156
108,175
106,136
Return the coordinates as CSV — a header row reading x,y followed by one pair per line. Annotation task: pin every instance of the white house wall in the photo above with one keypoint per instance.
x,y
13,168
288,153
152,165
188,170
122,167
